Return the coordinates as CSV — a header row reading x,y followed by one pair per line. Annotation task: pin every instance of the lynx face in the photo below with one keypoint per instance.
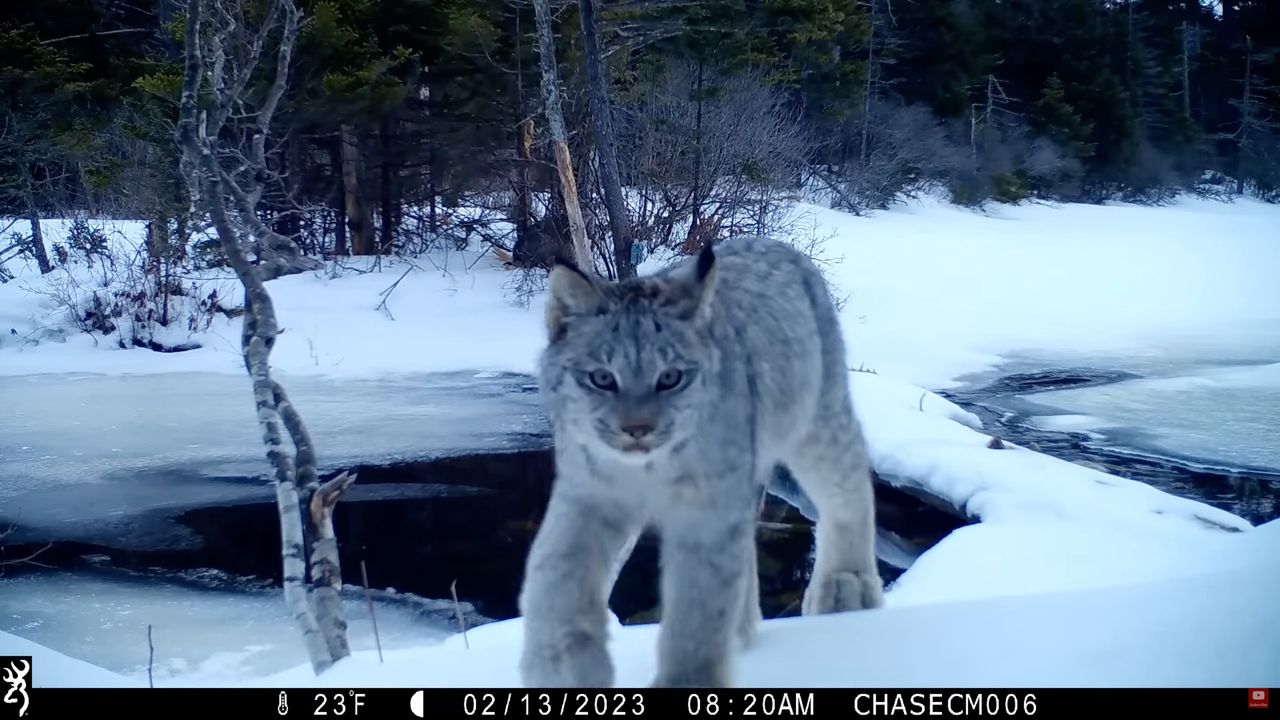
x,y
626,363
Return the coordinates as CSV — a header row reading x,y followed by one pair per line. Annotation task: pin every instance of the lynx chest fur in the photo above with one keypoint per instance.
x,y
673,400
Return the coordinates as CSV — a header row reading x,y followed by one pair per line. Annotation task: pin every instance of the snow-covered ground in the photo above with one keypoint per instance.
x,y
1072,576
1214,628
935,292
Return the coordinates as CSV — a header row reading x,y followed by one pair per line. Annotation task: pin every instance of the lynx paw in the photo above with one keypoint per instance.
x,y
709,676
573,660
843,591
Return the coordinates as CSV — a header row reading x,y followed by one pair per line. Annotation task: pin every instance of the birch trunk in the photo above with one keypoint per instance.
x,y
231,209
559,136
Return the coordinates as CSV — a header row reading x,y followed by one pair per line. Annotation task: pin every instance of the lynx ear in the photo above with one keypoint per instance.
x,y
572,292
690,288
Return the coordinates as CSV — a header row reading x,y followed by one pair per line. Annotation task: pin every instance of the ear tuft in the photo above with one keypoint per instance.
x,y
706,261
688,290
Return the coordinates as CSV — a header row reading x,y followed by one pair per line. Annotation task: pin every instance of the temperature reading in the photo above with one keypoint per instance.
x,y
339,704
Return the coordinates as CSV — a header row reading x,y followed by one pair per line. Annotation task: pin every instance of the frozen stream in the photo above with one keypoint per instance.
x,y
200,632
84,456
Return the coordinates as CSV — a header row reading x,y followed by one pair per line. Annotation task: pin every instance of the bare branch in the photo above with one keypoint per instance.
x,y
104,33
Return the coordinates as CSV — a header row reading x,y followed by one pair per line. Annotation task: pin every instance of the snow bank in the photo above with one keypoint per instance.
x,y
1044,524
1219,628
1215,628
449,311
50,668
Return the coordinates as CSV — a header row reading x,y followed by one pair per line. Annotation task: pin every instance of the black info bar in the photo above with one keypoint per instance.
x,y
848,703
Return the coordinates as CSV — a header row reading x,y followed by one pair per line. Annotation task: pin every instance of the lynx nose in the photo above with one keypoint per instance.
x,y
637,430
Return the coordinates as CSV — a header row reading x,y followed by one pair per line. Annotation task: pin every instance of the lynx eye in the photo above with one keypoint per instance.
x,y
668,379
603,379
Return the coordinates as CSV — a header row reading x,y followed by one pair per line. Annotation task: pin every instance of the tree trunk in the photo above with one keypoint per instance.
x,y
37,233
866,94
388,188
291,223
601,115
339,200
559,136
37,243
524,200
1186,69
695,221
1246,113
359,219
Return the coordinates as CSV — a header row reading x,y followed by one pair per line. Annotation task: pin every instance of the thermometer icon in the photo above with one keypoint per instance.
x,y
283,709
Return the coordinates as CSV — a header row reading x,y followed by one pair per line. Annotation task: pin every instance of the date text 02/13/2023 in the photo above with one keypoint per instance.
x,y
637,704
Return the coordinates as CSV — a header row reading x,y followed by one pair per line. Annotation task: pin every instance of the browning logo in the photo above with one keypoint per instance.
x,y
16,673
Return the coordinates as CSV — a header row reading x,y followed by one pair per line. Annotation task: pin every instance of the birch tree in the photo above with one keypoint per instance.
x,y
229,99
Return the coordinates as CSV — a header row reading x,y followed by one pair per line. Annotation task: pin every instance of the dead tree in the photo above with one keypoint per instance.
x,y
224,125
553,109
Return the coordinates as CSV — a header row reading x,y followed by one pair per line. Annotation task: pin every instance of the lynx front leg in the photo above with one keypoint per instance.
x,y
833,469
704,580
564,600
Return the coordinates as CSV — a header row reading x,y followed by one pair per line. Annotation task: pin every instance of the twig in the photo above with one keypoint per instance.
x,y
29,560
386,294
103,33
457,608
369,597
151,657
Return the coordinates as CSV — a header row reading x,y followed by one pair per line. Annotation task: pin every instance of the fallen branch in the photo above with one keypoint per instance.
x,y
326,569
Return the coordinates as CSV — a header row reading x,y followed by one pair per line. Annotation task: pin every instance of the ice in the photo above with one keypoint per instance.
x,y
1228,416
123,429
201,635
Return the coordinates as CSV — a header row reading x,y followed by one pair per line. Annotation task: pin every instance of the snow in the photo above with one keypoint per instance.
x,y
1221,631
1045,524
449,312
1068,576
1217,629
935,292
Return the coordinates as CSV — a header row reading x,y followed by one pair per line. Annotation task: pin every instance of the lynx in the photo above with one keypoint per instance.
x,y
674,399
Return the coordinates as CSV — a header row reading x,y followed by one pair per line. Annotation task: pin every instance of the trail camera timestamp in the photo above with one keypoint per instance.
x,y
750,704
